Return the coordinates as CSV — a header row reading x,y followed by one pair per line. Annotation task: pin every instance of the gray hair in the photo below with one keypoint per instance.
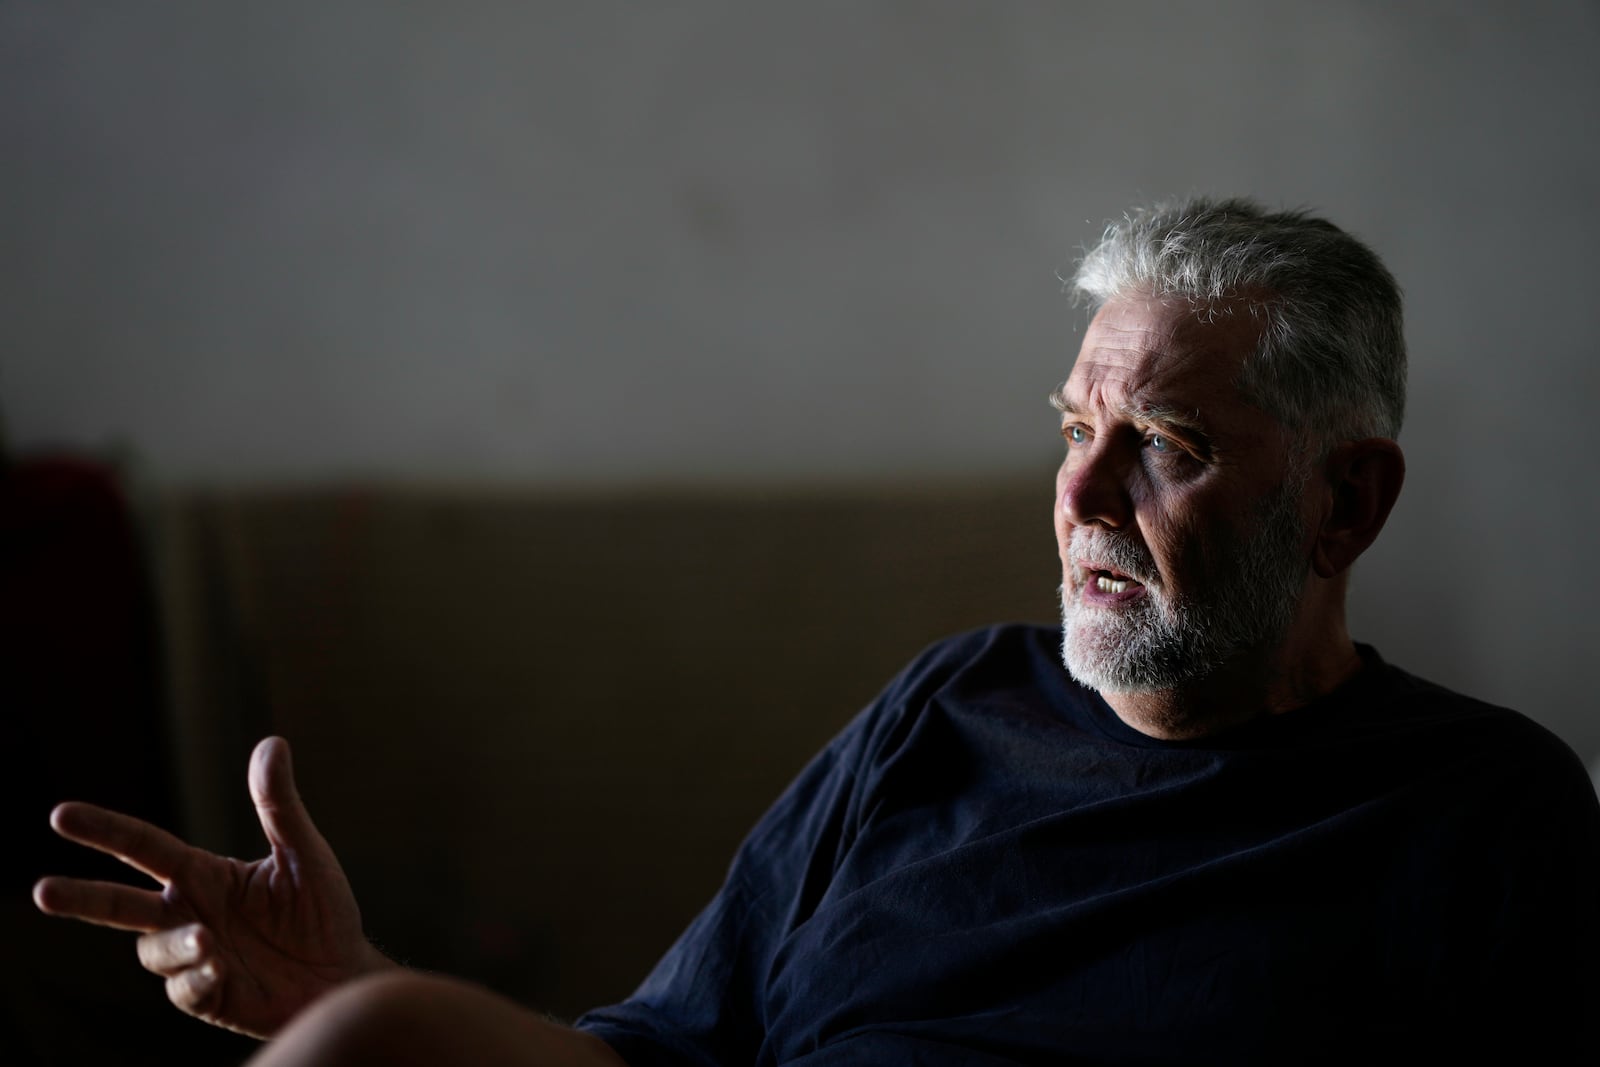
x,y
1331,364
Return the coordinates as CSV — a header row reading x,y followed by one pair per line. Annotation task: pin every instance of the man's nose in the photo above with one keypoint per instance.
x,y
1094,489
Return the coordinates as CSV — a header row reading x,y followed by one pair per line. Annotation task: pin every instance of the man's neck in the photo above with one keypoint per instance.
x,y
1250,686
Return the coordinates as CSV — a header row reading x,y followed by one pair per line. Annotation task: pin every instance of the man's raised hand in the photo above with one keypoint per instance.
x,y
241,945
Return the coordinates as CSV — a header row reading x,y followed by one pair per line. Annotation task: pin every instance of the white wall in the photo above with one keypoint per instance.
x,y
610,242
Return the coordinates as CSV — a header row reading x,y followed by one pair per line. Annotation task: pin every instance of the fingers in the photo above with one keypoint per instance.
x,y
171,952
102,903
196,990
184,956
283,816
133,841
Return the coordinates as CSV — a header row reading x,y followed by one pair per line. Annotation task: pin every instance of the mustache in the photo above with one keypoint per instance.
x,y
1123,551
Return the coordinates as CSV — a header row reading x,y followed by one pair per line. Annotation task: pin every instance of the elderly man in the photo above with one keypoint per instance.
x,y
1196,824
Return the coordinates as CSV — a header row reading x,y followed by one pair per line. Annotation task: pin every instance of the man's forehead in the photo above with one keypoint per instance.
x,y
1150,355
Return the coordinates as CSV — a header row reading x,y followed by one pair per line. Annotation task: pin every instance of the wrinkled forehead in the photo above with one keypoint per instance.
x,y
1140,350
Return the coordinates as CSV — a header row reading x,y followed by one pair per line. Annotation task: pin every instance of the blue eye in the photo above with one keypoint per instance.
x,y
1075,434
1159,443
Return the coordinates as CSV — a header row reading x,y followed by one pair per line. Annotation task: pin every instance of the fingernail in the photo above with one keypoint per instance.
x,y
191,944
208,972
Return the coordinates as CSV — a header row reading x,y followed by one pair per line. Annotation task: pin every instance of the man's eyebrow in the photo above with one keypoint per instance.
x,y
1165,415
1145,412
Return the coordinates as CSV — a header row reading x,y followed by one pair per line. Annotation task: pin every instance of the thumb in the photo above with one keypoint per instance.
x,y
283,816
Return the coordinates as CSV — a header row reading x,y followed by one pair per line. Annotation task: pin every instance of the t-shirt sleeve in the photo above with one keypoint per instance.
x,y
702,1003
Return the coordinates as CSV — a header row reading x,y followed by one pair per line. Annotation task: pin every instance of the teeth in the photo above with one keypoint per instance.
x,y
1109,585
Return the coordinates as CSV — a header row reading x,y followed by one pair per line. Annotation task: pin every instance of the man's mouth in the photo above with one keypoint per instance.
x,y
1107,584
1109,579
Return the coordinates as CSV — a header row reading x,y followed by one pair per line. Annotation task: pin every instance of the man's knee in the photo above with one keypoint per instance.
x,y
409,1018
391,1002
362,1020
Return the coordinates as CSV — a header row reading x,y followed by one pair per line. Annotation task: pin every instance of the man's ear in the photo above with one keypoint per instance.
x,y
1364,479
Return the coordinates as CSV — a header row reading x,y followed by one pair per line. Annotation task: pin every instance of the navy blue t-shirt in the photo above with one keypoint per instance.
x,y
989,867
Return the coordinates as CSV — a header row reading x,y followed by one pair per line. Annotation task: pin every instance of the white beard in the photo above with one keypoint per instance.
x,y
1245,599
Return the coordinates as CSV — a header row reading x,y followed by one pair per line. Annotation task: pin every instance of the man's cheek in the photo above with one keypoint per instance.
x,y
1173,549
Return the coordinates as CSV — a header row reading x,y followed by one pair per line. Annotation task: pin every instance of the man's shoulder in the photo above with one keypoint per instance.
x,y
1004,641
1505,739
989,661
1010,668
1411,697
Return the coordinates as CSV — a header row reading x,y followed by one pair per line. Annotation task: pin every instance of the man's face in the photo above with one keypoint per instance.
x,y
1178,505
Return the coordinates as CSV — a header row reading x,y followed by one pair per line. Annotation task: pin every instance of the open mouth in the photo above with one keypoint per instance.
x,y
1107,584
1110,580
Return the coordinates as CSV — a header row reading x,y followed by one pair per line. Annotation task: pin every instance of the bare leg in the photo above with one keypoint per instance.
x,y
408,1018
